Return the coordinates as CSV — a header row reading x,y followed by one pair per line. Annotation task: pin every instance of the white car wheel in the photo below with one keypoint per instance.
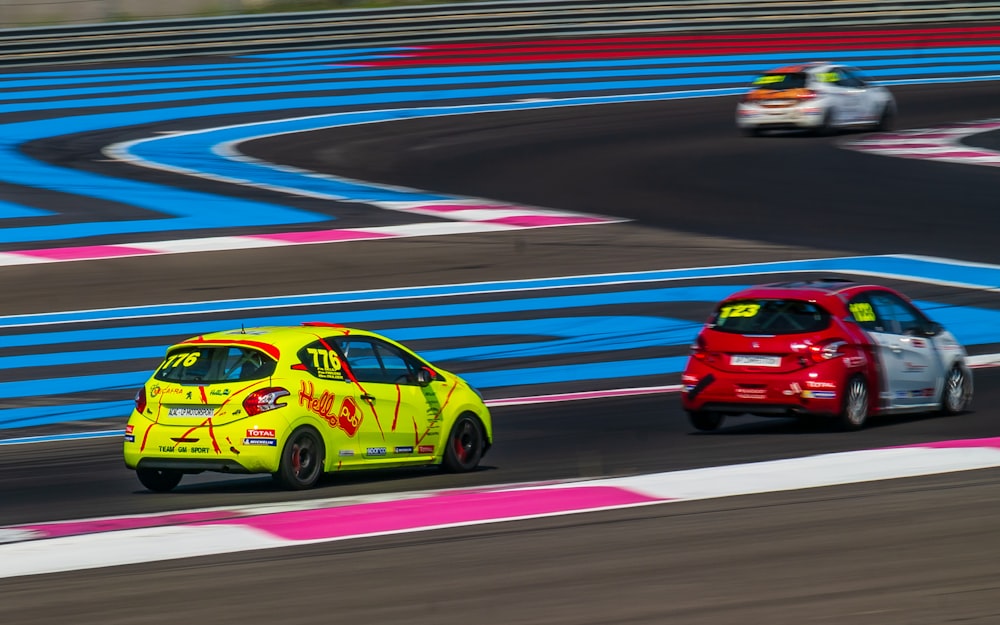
x,y
957,392
855,408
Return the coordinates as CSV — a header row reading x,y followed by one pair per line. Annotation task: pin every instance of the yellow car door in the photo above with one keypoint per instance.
x,y
326,393
402,410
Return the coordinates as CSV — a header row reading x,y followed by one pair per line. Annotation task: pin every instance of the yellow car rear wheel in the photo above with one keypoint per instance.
x,y
159,480
301,463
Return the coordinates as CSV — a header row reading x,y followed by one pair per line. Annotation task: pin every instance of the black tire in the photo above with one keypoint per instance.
x,y
302,460
750,131
159,480
706,421
885,119
854,408
957,392
465,445
825,128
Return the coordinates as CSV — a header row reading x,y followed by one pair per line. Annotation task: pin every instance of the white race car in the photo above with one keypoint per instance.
x,y
819,97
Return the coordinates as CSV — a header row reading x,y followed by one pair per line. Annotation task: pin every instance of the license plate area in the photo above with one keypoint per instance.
x,y
751,391
181,412
754,360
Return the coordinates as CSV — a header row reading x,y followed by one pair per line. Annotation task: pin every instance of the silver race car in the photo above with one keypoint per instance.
x,y
818,97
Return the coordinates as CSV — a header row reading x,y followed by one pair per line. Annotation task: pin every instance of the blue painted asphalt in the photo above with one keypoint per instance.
x,y
342,84
923,269
325,79
10,210
321,77
532,340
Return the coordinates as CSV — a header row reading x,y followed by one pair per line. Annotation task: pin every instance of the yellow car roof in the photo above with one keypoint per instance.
x,y
271,339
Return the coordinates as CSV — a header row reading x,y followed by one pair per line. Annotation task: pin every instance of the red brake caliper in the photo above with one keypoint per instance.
x,y
460,450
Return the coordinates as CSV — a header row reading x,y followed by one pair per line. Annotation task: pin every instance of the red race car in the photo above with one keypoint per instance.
x,y
827,347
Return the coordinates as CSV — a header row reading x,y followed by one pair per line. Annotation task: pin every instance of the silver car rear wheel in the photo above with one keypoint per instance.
x,y
885,119
957,392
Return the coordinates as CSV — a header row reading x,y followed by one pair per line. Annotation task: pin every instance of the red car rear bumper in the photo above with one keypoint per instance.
x,y
813,390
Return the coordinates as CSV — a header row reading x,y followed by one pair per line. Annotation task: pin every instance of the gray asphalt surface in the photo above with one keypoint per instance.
x,y
914,552
907,552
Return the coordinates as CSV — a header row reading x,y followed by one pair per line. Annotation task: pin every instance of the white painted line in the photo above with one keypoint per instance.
x,y
982,361
835,469
845,265
183,246
581,395
943,143
263,527
75,553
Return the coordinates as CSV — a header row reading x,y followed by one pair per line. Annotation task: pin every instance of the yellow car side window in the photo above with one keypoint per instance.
x,y
326,363
325,359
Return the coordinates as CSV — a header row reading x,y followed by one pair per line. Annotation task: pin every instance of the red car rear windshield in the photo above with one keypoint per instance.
x,y
770,316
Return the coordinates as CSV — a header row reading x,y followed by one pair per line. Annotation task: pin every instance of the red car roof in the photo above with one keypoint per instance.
x,y
836,289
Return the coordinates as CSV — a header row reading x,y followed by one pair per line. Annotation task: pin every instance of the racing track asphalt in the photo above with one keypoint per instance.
x,y
912,551
905,552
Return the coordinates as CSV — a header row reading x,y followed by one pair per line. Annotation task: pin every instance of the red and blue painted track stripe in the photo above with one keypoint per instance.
x,y
590,70
692,44
504,348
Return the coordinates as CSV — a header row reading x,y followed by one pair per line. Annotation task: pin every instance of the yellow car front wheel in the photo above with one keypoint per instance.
x,y
465,447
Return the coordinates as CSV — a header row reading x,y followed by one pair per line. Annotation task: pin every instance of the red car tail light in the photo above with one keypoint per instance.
x,y
827,350
698,349
140,400
264,400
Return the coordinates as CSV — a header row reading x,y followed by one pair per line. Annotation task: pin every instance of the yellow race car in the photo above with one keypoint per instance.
x,y
299,401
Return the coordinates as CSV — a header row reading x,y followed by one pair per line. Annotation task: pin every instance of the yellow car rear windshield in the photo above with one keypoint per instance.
x,y
214,364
